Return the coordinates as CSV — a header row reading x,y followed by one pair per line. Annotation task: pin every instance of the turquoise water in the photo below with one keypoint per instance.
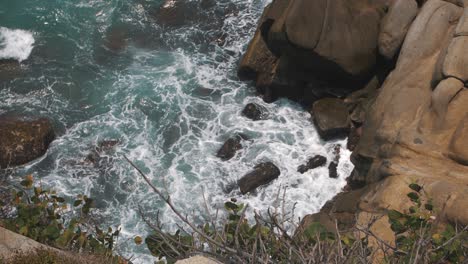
x,y
109,70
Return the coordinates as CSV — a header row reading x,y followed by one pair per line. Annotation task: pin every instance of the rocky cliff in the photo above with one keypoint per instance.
x,y
401,68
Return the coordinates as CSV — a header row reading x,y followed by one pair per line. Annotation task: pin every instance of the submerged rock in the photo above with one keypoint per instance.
x,y
9,69
22,141
231,146
313,163
255,112
331,118
262,174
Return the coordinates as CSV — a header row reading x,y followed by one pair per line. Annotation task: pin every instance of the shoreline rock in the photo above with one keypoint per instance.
x,y
312,163
331,118
262,174
255,112
23,140
405,63
231,146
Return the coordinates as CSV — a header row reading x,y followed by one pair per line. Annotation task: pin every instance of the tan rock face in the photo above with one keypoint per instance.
x,y
416,130
395,25
416,125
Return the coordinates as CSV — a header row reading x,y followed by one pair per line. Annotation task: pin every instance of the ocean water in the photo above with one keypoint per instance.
x,y
109,70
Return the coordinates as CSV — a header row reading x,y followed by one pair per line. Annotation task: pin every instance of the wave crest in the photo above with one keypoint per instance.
x,y
15,44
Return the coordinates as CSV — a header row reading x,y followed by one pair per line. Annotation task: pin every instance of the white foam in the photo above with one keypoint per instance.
x,y
15,43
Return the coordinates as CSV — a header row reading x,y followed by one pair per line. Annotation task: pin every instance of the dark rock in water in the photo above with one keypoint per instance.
x,y
116,39
313,163
9,69
333,167
331,118
333,170
255,112
172,13
231,146
106,145
22,140
262,174
102,147
207,3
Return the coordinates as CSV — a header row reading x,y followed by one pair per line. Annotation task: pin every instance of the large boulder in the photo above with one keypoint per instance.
x,y
331,117
415,130
262,174
341,35
23,140
395,25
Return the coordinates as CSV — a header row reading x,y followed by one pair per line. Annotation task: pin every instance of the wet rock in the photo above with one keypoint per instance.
x,y
116,39
230,147
22,140
9,69
103,147
313,163
255,112
331,118
333,170
261,175
333,166
172,13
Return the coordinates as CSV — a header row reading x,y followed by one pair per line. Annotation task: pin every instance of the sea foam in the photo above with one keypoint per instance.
x,y
15,44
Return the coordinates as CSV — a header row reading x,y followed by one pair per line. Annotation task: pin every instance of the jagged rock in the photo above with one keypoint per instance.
x,y
231,146
261,175
312,163
353,137
255,112
258,61
102,147
395,25
331,118
23,140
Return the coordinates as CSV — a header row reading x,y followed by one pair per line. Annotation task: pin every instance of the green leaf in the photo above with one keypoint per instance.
x,y
415,187
231,206
394,215
316,230
60,199
429,207
52,231
77,202
413,196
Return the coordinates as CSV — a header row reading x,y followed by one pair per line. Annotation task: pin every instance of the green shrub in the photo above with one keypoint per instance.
x,y
40,214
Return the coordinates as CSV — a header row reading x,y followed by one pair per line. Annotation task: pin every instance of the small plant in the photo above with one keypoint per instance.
x,y
40,214
419,235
